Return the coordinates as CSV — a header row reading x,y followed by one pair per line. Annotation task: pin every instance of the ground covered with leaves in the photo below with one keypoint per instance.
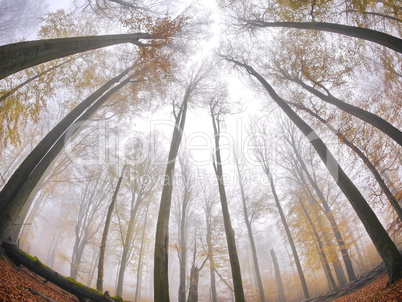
x,y
18,284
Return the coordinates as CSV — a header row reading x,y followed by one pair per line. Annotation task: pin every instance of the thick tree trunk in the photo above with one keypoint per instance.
x,y
352,31
16,196
68,284
230,236
383,243
193,291
250,234
287,231
102,250
364,115
278,278
18,56
161,277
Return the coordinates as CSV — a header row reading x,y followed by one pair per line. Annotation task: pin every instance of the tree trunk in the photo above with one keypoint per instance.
x,y
18,56
381,38
383,243
99,282
127,244
287,231
250,233
364,115
139,266
230,237
161,277
16,196
278,278
193,291
68,284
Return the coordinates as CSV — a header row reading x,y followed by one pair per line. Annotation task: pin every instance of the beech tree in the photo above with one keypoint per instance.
x,y
217,110
161,279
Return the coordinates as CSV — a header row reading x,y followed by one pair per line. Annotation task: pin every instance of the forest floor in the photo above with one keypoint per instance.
x,y
18,284
372,287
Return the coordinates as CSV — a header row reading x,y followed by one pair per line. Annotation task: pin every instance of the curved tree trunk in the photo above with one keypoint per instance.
x,y
383,243
34,157
102,249
17,205
18,56
378,37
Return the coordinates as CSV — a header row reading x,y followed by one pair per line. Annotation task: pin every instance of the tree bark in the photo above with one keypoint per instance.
x,y
378,37
383,243
230,236
16,205
68,284
161,278
102,250
18,56
278,278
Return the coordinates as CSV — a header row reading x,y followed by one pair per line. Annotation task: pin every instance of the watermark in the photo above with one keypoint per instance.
x,y
104,143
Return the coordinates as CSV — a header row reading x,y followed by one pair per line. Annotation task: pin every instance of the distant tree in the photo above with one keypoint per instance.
x,y
102,249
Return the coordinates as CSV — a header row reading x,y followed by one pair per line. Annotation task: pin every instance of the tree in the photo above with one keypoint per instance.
x,y
249,229
18,56
383,243
102,250
381,38
161,279
141,192
217,110
278,278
